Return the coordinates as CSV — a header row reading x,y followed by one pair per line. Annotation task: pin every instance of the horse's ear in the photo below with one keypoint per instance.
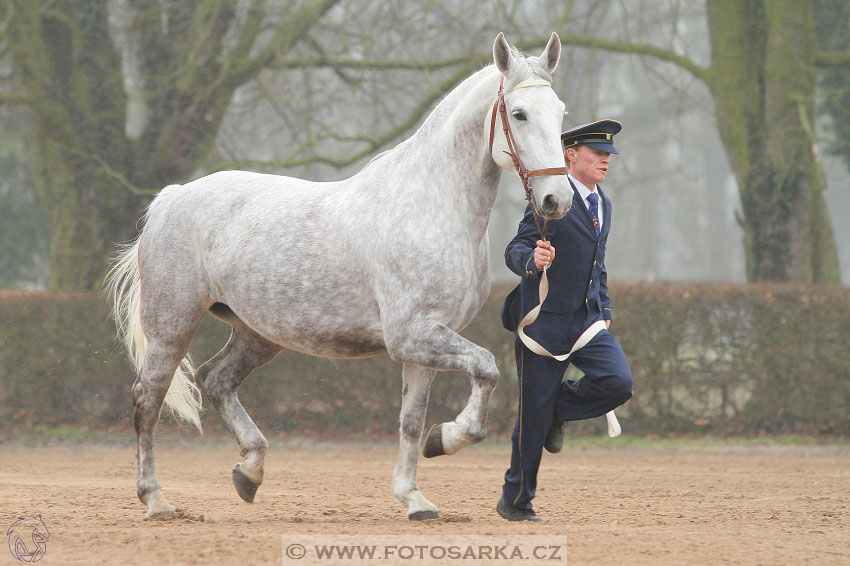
x,y
550,56
502,54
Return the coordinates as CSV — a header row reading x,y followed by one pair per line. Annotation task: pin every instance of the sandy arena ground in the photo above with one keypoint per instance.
x,y
658,505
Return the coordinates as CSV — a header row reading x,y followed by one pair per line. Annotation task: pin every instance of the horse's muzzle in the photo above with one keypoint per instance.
x,y
552,209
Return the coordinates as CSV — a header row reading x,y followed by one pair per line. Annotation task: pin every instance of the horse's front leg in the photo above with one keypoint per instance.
x,y
434,345
416,388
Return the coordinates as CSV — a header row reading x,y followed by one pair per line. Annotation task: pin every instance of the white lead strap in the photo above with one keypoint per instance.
x,y
614,429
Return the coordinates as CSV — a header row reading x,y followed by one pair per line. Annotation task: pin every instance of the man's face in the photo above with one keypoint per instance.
x,y
588,165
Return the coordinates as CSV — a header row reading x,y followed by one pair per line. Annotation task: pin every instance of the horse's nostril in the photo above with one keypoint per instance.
x,y
549,204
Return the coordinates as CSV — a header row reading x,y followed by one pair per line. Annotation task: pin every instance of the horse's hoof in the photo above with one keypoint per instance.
x,y
246,488
161,515
434,443
424,515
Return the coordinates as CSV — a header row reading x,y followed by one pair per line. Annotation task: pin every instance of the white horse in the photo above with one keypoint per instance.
x,y
395,258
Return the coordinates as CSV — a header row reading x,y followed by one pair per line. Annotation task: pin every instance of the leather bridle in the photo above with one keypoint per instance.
x,y
524,174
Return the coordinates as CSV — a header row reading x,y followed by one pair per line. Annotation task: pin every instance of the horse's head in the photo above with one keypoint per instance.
x,y
534,114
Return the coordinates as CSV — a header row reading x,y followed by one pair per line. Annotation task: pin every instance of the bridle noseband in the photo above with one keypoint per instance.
x,y
523,173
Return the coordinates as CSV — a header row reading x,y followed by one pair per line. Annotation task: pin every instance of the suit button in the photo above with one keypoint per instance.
x,y
585,300
591,282
594,262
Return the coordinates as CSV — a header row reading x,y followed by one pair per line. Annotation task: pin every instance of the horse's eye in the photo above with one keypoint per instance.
x,y
519,115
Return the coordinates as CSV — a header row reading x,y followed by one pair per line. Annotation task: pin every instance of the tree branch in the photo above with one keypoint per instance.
x,y
465,63
104,167
658,53
292,31
831,59
14,98
372,144
375,64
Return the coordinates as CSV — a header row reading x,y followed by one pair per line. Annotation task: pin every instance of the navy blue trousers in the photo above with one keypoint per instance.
x,y
607,384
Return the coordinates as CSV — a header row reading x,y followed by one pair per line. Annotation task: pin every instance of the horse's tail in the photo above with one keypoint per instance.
x,y
124,286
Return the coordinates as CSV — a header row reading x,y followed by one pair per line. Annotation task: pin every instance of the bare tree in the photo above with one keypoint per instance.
x,y
92,174
131,95
762,77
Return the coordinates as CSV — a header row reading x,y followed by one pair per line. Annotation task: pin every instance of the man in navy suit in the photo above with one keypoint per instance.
x,y
578,297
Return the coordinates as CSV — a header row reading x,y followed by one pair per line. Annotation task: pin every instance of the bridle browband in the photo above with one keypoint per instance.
x,y
523,173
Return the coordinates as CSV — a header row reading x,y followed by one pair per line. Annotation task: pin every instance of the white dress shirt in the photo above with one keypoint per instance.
x,y
584,191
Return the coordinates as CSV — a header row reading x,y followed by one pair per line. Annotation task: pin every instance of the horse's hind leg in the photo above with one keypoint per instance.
x,y
162,357
414,404
219,378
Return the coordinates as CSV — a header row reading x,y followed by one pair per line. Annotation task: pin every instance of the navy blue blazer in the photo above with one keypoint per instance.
x,y
578,280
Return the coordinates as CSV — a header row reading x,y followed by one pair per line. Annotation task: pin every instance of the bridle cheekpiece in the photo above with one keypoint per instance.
x,y
500,107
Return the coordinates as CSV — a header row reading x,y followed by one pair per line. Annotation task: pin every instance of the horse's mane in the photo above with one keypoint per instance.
x,y
378,156
524,67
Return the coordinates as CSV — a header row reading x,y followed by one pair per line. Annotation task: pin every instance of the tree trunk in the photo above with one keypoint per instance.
x,y
88,168
763,84
88,210
71,72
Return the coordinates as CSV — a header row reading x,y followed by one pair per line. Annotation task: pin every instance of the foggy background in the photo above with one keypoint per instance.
x,y
674,195
103,103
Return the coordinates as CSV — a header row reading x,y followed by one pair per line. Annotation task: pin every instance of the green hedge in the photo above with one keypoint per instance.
x,y
707,359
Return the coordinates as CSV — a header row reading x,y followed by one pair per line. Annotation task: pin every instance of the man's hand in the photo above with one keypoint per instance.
x,y
607,324
544,254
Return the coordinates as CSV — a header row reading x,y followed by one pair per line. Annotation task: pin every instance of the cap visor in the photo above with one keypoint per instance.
x,y
609,147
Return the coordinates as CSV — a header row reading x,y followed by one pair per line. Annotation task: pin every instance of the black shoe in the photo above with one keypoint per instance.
x,y
511,513
555,439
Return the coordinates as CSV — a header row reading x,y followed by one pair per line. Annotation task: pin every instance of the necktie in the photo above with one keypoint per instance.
x,y
593,199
